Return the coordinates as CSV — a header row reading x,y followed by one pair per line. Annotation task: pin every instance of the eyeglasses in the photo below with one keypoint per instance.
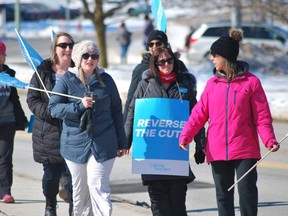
x,y
213,54
158,43
162,62
87,56
65,45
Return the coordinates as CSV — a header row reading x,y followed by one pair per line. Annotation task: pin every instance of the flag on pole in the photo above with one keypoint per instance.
x,y
159,15
7,80
31,56
53,34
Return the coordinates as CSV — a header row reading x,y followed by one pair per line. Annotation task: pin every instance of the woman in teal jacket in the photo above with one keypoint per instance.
x,y
93,130
235,105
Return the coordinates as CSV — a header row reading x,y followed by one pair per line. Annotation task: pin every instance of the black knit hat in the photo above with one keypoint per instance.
x,y
228,46
158,35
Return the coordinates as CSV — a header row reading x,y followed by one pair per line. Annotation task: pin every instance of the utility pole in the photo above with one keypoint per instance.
x,y
17,15
67,16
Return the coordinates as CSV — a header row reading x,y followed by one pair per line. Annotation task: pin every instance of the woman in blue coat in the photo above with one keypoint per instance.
x,y
93,132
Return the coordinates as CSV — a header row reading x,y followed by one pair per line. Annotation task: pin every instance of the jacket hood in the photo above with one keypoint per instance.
x,y
242,67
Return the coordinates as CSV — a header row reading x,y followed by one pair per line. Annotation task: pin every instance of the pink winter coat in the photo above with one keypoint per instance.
x,y
235,113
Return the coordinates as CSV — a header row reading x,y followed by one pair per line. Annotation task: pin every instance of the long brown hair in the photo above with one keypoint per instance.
x,y
54,57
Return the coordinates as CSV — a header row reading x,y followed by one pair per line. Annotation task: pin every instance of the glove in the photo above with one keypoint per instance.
x,y
199,156
85,121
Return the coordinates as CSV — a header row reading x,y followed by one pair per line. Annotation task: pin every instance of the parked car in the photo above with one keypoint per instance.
x,y
203,37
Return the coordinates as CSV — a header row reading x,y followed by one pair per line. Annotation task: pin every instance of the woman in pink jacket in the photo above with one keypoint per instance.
x,y
235,105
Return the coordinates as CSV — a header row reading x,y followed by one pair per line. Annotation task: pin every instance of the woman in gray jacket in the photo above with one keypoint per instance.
x,y
93,132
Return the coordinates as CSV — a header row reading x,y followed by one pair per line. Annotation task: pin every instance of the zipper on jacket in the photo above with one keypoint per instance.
x,y
227,119
235,97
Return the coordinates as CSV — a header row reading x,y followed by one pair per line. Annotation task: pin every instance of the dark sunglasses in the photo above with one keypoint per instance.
x,y
212,54
87,56
162,62
157,44
65,45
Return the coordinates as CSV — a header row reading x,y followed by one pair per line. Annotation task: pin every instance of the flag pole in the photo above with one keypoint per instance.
x,y
257,163
51,92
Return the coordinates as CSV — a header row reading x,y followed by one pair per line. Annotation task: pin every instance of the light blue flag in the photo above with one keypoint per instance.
x,y
53,34
159,15
158,123
31,56
7,80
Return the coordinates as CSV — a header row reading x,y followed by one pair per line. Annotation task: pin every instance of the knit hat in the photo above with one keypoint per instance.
x,y
81,48
158,35
228,46
2,48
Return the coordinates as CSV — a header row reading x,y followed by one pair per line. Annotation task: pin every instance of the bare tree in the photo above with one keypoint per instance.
x,y
98,16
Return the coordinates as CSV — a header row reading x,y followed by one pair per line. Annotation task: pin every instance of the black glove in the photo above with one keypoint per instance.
x,y
85,121
199,156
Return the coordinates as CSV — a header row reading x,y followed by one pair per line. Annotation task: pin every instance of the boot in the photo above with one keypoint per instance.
x,y
50,209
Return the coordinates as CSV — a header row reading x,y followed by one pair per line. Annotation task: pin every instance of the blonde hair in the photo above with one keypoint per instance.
x,y
83,80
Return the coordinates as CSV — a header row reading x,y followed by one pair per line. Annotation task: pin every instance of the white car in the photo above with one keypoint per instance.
x,y
207,33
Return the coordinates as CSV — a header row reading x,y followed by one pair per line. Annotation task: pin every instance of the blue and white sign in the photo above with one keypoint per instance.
x,y
158,123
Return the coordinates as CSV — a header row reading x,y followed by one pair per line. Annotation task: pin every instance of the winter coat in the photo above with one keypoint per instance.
x,y
152,88
106,133
124,37
12,110
46,129
235,111
137,77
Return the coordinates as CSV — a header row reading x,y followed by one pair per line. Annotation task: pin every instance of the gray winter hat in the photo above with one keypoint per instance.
x,y
81,48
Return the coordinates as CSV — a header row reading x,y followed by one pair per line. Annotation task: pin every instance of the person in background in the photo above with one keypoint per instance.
x,y
148,27
156,39
235,105
12,118
47,129
124,38
164,80
93,130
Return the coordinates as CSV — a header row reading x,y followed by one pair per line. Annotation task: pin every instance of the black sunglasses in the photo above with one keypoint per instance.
x,y
87,56
65,45
162,62
212,54
157,44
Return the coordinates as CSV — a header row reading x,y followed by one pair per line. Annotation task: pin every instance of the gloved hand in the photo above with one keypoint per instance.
x,y
85,121
199,156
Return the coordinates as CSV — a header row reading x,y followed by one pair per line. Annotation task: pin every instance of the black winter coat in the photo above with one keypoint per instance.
x,y
152,88
21,120
137,77
46,130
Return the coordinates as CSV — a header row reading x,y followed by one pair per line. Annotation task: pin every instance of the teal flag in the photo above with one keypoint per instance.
x,y
159,15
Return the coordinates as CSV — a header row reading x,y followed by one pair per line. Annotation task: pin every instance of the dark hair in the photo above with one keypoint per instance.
x,y
153,67
54,57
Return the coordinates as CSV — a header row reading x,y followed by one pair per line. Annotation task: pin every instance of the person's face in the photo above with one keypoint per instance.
x,y
2,58
154,44
165,63
219,62
89,62
64,48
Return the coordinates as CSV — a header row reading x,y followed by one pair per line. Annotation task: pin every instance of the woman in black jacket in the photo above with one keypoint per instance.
x,y
46,129
164,80
12,118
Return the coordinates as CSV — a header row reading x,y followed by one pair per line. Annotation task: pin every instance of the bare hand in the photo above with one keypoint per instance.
x,y
87,102
275,147
122,152
183,146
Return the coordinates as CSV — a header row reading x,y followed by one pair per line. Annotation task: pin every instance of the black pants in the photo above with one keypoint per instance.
x,y
51,179
223,174
168,197
7,133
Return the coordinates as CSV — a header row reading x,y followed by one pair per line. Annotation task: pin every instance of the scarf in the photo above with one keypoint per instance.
x,y
167,78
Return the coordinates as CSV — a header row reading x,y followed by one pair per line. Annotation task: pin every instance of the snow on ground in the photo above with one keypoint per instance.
x,y
267,64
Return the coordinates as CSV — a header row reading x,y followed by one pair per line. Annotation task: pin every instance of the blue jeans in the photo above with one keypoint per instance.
x,y
223,174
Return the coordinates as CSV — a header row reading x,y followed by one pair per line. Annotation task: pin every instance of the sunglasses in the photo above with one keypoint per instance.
x,y
213,54
87,56
65,45
157,44
162,62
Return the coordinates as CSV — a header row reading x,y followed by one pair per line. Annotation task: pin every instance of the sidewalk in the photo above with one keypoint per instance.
x,y
29,201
